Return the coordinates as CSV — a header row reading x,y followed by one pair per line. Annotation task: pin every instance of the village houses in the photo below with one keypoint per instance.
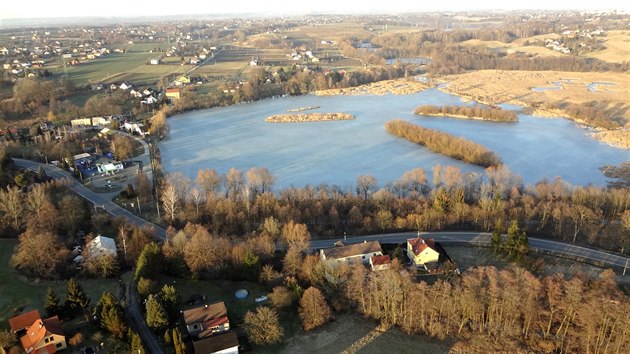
x,y
37,335
209,327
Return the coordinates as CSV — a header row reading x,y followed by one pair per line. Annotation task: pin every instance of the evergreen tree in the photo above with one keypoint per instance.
x,y
156,315
51,303
136,343
149,261
251,263
111,315
178,344
495,241
76,300
517,243
170,300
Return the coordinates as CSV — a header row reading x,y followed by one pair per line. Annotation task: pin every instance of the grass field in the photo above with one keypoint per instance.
x,y
617,45
18,292
516,87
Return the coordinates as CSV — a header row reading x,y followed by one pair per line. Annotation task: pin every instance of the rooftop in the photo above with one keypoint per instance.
x,y
380,260
216,343
419,244
353,250
24,320
205,313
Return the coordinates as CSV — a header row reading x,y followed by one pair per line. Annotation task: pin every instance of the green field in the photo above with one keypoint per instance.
x,y
17,292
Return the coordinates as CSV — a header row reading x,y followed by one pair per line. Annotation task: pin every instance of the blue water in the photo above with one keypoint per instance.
x,y
337,152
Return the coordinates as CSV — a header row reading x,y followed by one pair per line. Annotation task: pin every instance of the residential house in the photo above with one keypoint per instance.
x,y
155,61
125,86
358,252
173,93
37,335
101,245
44,336
380,262
207,320
19,324
225,343
421,251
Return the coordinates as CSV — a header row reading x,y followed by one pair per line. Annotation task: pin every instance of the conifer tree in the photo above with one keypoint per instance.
x,y
156,315
51,303
76,300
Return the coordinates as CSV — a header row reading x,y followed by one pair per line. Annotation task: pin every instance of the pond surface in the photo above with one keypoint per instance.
x,y
337,152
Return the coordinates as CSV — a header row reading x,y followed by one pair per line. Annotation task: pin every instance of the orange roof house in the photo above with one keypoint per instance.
x,y
173,93
380,262
44,337
207,320
24,321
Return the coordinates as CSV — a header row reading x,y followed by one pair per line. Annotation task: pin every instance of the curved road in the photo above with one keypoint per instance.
x,y
95,198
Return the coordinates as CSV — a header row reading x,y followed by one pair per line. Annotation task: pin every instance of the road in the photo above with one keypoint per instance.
x,y
97,200
483,239
150,342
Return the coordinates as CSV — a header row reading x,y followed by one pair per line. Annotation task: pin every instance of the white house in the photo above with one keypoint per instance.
x,y
155,61
421,251
109,167
358,252
102,246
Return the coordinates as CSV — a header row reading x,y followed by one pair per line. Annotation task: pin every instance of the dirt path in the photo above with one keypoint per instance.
x,y
367,339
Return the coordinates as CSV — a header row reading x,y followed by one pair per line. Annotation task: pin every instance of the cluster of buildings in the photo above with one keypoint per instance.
x,y
209,329
423,255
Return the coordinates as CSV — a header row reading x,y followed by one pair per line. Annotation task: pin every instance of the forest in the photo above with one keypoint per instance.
x,y
484,113
444,143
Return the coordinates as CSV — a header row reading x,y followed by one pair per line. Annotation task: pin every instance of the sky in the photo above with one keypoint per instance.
x,y
131,8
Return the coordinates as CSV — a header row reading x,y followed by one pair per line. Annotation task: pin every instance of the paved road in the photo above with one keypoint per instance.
x,y
97,200
150,342
483,239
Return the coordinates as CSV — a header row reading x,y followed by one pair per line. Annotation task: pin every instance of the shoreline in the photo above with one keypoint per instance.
x,y
605,136
394,87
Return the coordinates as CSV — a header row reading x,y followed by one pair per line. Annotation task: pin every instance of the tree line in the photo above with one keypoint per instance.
x,y
442,198
485,113
496,310
444,143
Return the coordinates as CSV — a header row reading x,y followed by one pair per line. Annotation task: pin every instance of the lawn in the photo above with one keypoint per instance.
x,y
17,292
219,290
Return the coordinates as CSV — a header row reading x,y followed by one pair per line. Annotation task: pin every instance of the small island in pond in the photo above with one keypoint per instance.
x,y
308,117
479,113
444,143
302,109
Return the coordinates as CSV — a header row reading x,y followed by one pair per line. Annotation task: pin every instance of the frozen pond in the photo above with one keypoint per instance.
x,y
337,152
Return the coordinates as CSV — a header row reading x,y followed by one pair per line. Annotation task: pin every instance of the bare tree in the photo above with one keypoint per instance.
x,y
365,185
209,180
260,180
233,183
40,254
263,326
414,180
314,311
170,200
296,235
122,147
12,205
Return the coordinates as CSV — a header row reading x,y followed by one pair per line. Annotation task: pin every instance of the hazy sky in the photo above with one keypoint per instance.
x,y
109,8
